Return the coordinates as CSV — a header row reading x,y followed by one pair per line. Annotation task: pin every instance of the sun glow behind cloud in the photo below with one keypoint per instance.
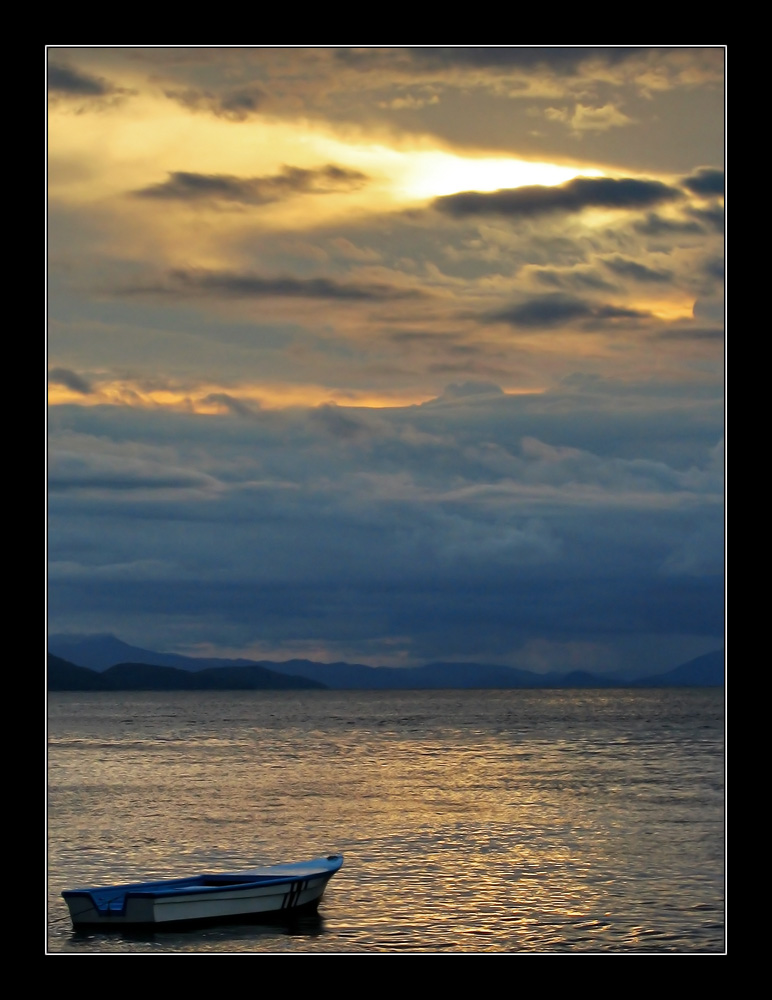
x,y
421,173
433,174
676,308
142,146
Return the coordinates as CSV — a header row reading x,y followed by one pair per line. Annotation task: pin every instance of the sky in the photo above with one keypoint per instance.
x,y
388,355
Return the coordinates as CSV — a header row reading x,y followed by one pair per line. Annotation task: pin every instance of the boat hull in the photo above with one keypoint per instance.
x,y
276,892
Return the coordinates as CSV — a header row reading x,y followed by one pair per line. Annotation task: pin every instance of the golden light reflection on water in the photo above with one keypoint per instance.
x,y
520,822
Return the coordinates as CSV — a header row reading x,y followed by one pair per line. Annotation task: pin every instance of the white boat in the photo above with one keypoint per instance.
x,y
275,891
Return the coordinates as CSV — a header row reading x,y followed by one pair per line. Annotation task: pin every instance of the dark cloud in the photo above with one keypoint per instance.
x,y
235,406
573,196
70,379
477,621
64,80
242,102
546,311
691,333
231,284
508,608
657,225
417,337
714,268
460,390
572,279
76,472
706,181
340,423
185,186
235,105
485,518
638,272
712,217
564,60
558,59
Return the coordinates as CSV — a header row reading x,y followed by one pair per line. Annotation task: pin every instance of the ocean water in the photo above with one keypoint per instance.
x,y
471,822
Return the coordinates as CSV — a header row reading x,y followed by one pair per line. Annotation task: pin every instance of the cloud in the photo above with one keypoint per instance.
x,y
714,268
657,225
712,217
524,70
547,311
70,379
461,390
696,333
237,104
573,196
110,473
410,102
572,279
710,309
67,81
560,60
638,272
191,187
340,423
706,181
233,405
589,119
230,284
471,524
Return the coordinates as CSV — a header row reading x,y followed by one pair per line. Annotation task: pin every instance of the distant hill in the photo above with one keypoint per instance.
x,y
98,652
102,652
703,671
431,676
64,676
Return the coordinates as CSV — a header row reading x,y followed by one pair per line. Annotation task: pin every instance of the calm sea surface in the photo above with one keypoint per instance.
x,y
477,822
